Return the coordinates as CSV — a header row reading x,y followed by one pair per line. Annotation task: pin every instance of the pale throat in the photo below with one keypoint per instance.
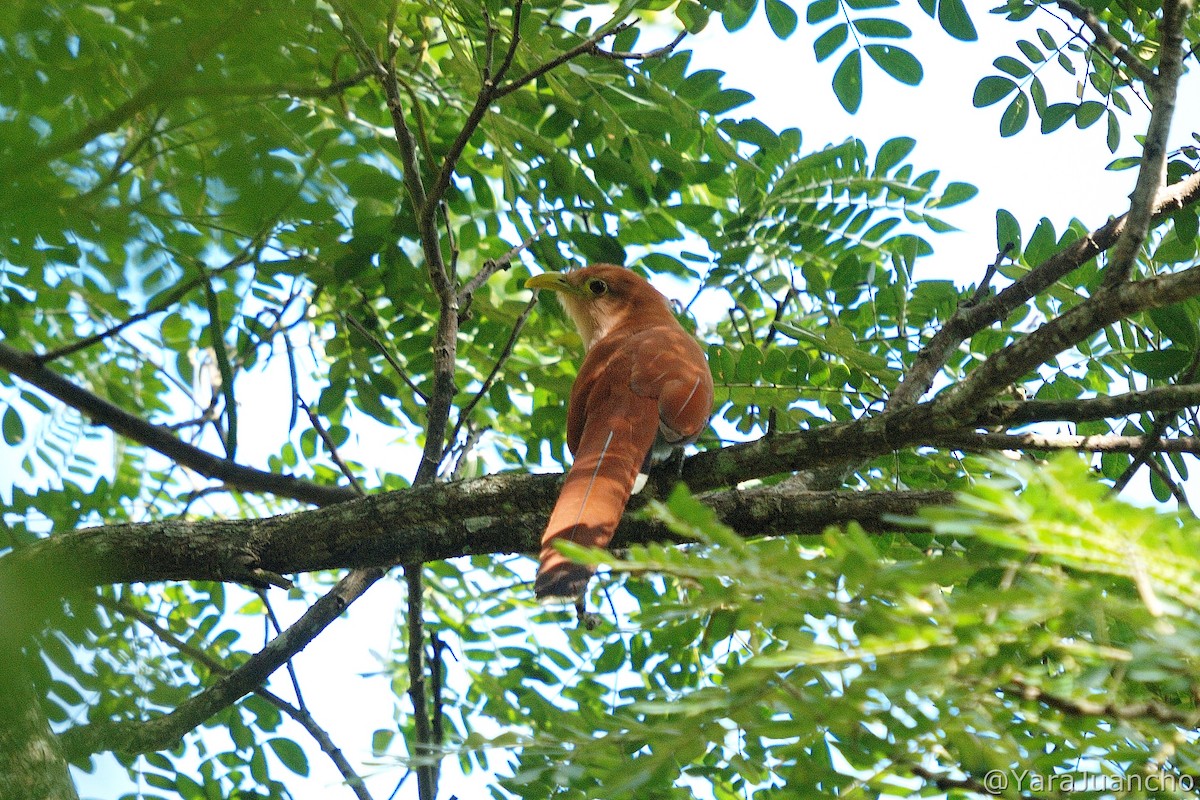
x,y
593,319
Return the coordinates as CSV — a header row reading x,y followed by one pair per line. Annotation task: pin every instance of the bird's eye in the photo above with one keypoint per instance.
x,y
597,286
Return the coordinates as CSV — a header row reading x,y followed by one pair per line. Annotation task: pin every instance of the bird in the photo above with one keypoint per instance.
x,y
643,378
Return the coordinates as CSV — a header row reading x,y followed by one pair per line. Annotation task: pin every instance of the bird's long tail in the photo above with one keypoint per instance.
x,y
592,501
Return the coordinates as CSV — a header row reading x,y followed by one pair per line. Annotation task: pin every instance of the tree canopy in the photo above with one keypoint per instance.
x,y
263,332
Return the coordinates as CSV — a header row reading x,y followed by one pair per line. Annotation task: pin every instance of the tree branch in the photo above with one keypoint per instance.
x,y
161,439
218,667
658,52
387,356
1107,40
497,514
585,46
491,267
162,733
1106,306
1152,173
427,771
465,414
1089,708
1159,399
969,319
1106,443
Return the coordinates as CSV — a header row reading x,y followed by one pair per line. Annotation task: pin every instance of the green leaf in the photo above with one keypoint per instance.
x,y
992,89
882,28
892,153
1008,232
1055,116
726,100
737,13
1015,116
693,16
1176,324
820,10
781,17
955,20
830,41
1172,250
1042,243
955,194
1113,138
749,366
1125,162
14,428
291,754
1186,224
897,62
1161,364
1031,51
1087,113
847,81
1013,67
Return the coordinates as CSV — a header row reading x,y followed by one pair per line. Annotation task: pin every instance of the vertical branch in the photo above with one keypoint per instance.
x,y
1153,171
32,766
216,336
426,768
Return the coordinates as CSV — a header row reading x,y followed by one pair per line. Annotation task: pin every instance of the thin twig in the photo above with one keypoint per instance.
x,y
218,667
985,283
492,266
220,350
1172,486
273,621
333,451
1089,708
435,672
1107,306
1161,423
1101,443
656,53
161,439
163,732
387,355
946,783
246,256
562,58
464,450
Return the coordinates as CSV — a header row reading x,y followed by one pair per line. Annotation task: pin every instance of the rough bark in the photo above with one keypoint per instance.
x,y
32,766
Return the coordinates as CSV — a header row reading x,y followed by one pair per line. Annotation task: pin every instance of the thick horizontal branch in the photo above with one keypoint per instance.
x,y
160,438
498,514
433,522
1160,399
1107,443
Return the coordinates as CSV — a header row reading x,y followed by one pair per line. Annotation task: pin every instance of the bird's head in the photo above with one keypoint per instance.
x,y
600,297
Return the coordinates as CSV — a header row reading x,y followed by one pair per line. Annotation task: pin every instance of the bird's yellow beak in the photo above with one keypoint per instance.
x,y
554,281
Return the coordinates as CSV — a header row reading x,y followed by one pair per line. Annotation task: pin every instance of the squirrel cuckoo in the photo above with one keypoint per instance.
x,y
643,378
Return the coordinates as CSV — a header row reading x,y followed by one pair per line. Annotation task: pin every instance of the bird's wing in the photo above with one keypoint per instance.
x,y
670,368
